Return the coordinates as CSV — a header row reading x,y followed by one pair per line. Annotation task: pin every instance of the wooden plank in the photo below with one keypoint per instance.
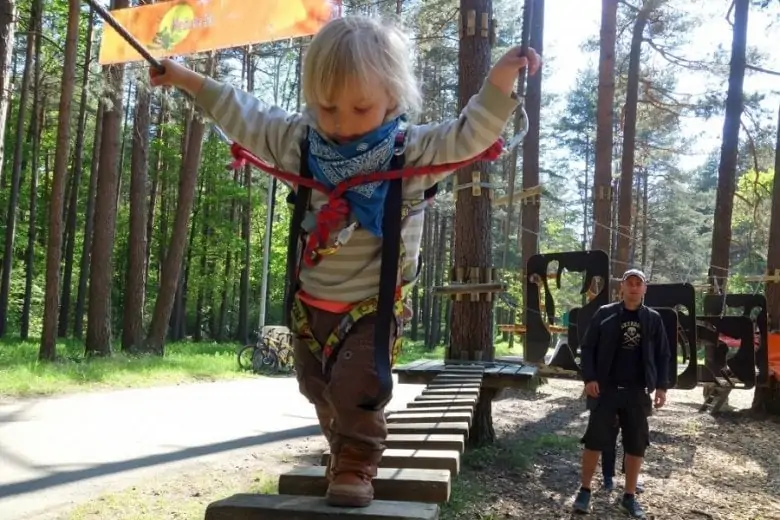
x,y
434,428
446,397
400,484
414,364
425,441
450,378
438,409
450,391
245,506
436,403
415,459
400,417
456,369
454,384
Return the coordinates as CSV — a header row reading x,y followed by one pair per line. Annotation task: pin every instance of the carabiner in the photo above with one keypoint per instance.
x,y
520,135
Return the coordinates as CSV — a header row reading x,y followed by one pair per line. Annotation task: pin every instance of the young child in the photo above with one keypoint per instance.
x,y
359,87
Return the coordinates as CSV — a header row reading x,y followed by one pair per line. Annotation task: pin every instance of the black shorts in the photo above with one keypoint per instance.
x,y
631,408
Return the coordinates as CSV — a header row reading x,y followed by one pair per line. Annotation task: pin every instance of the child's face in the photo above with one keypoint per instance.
x,y
356,110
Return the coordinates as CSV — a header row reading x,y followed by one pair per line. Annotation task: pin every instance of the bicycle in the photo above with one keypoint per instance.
x,y
270,352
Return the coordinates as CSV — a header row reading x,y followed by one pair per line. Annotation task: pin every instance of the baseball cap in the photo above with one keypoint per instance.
x,y
634,272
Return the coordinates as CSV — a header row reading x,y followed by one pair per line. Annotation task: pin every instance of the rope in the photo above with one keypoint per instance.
x,y
336,209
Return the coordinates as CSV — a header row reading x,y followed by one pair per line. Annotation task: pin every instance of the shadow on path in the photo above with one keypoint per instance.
x,y
109,468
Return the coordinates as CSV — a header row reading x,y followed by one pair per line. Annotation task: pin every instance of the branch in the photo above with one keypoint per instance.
x,y
761,69
674,59
633,8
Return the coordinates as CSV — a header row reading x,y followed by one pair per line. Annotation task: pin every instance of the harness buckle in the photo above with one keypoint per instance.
x,y
345,234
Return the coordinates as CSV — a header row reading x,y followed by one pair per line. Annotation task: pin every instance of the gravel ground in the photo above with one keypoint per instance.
x,y
698,466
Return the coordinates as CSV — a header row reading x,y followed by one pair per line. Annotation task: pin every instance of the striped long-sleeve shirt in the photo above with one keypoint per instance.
x,y
275,135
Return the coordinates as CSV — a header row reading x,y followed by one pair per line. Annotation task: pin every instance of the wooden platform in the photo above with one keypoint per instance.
x,y
296,507
423,449
495,375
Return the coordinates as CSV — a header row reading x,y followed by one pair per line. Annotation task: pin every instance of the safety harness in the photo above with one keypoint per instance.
x,y
308,242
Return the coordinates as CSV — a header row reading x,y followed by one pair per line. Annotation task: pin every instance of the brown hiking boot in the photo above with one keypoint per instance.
x,y
352,472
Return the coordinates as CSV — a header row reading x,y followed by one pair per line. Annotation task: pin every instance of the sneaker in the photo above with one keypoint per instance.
x,y
630,506
582,502
609,485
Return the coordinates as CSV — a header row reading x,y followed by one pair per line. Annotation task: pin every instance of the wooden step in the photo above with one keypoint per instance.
x,y
454,385
415,459
452,369
438,409
443,428
447,397
450,391
458,376
425,441
401,484
244,506
436,403
400,417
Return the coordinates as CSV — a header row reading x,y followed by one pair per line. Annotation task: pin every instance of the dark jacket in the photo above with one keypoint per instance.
x,y
602,338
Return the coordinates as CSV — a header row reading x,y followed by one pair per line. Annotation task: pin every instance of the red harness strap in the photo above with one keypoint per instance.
x,y
337,208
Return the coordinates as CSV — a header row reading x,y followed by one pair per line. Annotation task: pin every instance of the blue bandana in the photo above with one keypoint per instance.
x,y
330,164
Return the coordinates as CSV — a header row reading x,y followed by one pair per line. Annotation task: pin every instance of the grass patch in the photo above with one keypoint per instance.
x,y
414,350
181,498
517,455
22,375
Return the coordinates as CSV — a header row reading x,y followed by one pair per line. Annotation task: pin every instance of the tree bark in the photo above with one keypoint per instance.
x,y
727,169
16,174
78,166
7,33
135,276
530,211
171,271
89,226
36,124
471,333
602,177
625,196
61,156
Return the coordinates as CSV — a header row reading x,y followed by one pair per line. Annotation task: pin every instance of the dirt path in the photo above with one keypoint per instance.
x,y
699,467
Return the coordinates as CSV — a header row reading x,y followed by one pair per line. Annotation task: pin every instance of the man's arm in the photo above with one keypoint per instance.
x,y
662,354
589,346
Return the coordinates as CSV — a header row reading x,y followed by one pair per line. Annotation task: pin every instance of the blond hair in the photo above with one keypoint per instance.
x,y
360,47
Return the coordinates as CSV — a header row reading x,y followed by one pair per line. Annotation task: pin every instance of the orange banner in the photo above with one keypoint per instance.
x,y
181,27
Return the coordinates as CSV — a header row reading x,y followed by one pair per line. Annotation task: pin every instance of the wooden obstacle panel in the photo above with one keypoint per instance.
x,y
753,306
737,370
682,298
592,263
423,449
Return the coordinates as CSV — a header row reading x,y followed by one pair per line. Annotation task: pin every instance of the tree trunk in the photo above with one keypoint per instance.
x,y
246,235
158,169
61,156
135,288
89,226
727,169
602,177
7,30
766,398
16,173
36,124
78,163
471,334
99,312
530,211
224,303
625,196
171,272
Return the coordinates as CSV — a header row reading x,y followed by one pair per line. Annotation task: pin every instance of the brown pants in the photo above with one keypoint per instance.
x,y
336,397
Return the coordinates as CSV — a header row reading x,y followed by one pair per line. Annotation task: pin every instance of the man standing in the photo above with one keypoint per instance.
x,y
625,358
